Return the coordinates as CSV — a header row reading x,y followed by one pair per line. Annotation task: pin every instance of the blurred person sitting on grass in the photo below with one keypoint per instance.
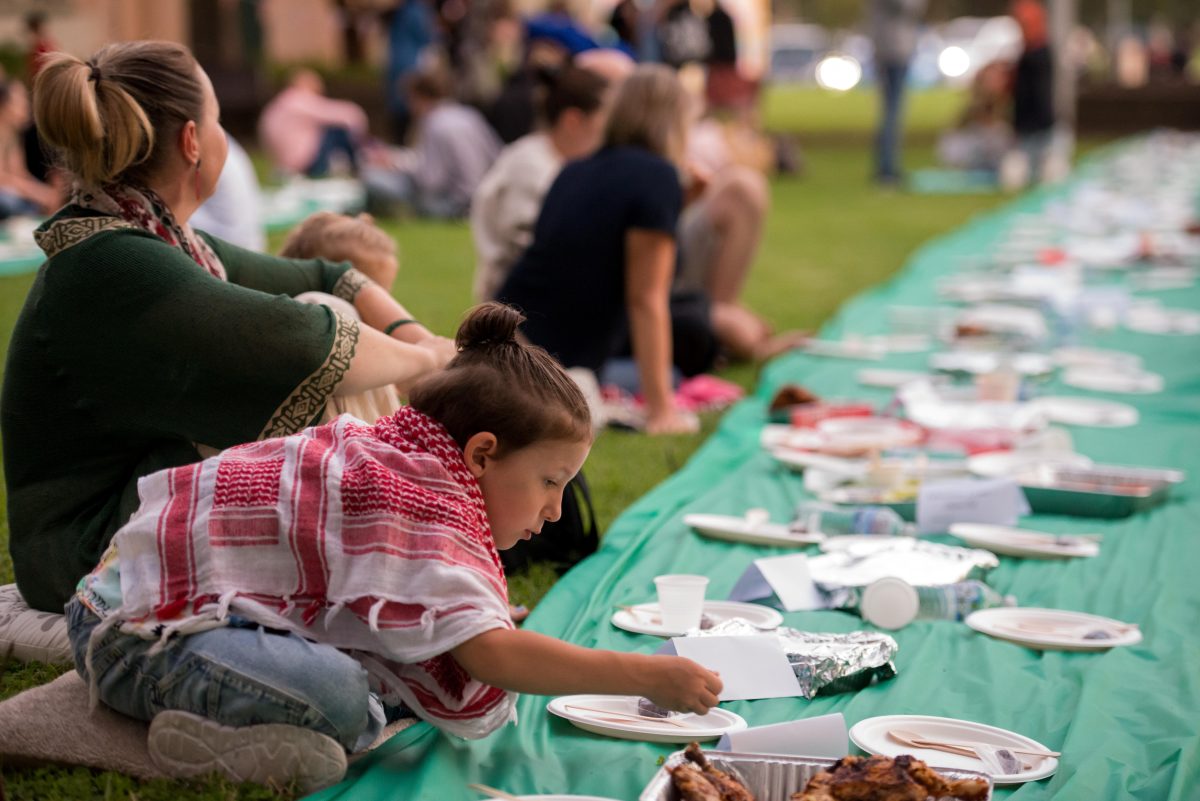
x,y
305,133
194,620
718,233
596,280
454,148
983,134
144,344
20,192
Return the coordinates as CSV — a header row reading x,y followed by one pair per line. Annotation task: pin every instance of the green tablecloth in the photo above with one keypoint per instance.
x,y
1125,720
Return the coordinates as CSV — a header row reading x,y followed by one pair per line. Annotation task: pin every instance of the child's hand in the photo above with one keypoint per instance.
x,y
680,684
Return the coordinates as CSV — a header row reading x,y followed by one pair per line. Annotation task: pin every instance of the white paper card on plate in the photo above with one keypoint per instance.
x,y
751,667
822,736
782,578
941,504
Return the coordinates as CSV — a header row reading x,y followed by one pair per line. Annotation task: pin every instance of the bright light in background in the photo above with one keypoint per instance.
x,y
840,73
954,62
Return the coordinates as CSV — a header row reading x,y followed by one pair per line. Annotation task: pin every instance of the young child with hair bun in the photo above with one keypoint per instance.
x,y
271,608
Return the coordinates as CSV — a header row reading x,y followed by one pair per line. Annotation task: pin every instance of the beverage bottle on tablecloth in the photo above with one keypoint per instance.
x,y
893,603
814,516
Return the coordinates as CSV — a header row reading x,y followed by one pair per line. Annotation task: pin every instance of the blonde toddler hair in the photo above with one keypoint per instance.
x,y
339,237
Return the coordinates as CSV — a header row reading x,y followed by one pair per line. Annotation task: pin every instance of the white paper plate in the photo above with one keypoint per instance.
x,y
693,727
1152,320
845,349
1102,379
1008,623
866,433
1010,463
977,362
889,379
1086,412
1096,357
1023,542
871,735
644,619
739,529
848,542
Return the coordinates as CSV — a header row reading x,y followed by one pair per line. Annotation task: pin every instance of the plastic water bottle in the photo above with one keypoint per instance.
x,y
824,518
893,603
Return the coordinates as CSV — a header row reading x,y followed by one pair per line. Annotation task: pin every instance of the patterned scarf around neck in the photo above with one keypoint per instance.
x,y
143,208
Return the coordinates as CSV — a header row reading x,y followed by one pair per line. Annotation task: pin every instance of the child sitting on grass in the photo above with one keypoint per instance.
x,y
273,607
339,237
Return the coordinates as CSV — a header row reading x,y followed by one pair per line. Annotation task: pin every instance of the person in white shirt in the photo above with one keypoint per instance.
x,y
509,198
455,147
234,211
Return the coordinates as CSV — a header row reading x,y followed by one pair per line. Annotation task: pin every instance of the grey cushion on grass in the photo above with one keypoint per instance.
x,y
51,724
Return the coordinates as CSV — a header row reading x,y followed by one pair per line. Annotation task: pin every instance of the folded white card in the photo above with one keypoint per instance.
x,y
940,504
751,667
822,736
786,578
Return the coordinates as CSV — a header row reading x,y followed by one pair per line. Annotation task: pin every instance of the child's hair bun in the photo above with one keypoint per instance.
x,y
489,325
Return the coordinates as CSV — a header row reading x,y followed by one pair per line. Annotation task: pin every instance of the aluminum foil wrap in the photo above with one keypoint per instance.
x,y
863,560
825,664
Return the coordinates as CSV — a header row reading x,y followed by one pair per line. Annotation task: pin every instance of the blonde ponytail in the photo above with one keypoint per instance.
x,y
112,118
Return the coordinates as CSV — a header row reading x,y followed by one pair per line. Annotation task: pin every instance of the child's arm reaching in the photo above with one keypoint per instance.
x,y
527,662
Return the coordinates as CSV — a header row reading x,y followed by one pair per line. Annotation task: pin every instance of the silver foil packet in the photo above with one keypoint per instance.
x,y
825,664
919,562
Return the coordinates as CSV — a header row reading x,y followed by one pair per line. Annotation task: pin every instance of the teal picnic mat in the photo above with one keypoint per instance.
x,y
1125,720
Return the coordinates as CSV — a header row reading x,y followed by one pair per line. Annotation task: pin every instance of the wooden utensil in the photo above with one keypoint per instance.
x,y
494,793
628,715
915,737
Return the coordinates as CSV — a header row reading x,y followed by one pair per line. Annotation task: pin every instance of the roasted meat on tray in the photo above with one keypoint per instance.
x,y
879,778
700,781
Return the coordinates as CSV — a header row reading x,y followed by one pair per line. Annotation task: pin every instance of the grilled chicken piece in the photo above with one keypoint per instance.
x,y
692,785
730,788
878,778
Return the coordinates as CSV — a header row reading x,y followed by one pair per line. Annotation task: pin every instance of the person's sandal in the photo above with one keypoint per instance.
x,y
184,745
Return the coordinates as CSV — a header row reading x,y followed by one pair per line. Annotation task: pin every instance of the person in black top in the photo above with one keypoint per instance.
x,y
1033,87
601,264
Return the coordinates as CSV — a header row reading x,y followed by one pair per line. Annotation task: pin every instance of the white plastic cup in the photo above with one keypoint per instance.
x,y
680,601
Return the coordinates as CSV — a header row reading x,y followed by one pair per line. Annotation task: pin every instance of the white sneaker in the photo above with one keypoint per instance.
x,y
183,745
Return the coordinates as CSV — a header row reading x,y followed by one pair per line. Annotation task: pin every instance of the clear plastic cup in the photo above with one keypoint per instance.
x,y
680,601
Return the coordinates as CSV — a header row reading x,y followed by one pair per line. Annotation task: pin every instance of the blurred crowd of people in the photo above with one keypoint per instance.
x,y
619,205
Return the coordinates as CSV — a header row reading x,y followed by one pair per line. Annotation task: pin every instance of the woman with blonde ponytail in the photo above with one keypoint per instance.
x,y
142,341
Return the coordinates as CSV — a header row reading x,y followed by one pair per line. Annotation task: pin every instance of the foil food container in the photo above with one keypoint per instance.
x,y
825,664
1098,491
864,560
769,778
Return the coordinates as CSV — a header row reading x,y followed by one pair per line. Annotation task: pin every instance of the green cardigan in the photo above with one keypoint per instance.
x,y
128,355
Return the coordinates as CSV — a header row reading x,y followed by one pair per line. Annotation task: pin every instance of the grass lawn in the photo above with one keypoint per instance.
x,y
830,235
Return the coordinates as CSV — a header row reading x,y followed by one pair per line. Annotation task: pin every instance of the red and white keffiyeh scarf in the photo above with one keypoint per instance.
x,y
370,538
144,209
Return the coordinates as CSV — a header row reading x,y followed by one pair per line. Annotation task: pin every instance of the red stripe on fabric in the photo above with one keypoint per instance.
x,y
175,541
479,705
307,534
234,528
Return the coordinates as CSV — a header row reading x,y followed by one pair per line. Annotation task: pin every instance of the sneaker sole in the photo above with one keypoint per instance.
x,y
184,745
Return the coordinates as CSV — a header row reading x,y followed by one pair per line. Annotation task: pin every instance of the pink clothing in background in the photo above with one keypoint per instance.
x,y
291,125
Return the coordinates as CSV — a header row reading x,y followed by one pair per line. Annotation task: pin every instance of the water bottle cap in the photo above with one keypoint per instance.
x,y
889,603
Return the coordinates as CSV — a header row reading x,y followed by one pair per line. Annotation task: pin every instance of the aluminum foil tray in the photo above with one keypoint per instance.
x,y
1099,491
769,778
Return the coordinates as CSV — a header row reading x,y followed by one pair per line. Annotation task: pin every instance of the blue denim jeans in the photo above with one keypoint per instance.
x,y
887,139
238,675
334,139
